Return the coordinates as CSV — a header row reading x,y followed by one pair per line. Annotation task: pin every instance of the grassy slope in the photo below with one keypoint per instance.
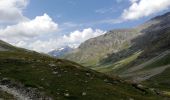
x,y
113,67
158,46
34,70
160,81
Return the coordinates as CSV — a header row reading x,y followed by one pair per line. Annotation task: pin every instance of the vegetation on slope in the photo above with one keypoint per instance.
x,y
65,80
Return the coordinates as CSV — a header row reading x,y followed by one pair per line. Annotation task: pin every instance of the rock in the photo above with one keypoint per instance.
x,y
140,86
88,74
55,72
105,80
66,94
42,79
5,81
131,99
86,81
84,93
52,65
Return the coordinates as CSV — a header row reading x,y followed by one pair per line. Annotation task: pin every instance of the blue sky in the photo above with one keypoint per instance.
x,y
86,13
44,25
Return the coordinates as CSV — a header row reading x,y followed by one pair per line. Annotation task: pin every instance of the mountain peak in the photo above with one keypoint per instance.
x,y
61,51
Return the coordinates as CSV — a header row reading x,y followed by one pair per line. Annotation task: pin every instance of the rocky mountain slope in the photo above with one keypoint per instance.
x,y
93,50
118,44
32,76
141,54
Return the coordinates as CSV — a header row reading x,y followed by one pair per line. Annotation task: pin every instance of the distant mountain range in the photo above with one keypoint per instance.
x,y
61,51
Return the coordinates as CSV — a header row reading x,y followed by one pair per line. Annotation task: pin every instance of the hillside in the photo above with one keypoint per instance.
x,y
30,75
141,55
118,44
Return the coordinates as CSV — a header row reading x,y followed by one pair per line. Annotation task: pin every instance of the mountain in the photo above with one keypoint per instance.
x,y
6,47
93,50
140,54
28,75
61,51
120,43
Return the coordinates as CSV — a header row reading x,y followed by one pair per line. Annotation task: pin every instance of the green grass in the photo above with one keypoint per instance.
x,y
160,81
33,70
160,62
117,65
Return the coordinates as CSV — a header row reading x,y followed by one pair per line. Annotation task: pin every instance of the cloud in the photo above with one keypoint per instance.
x,y
37,34
80,36
143,8
11,10
73,39
30,28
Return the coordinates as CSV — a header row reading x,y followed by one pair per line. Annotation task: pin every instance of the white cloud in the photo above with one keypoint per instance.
x,y
80,36
143,8
36,34
11,10
30,28
73,39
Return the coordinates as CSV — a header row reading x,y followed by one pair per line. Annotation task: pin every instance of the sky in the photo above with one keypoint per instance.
x,y
45,25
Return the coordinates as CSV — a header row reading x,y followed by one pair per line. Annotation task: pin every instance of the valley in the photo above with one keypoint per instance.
x,y
140,55
84,50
